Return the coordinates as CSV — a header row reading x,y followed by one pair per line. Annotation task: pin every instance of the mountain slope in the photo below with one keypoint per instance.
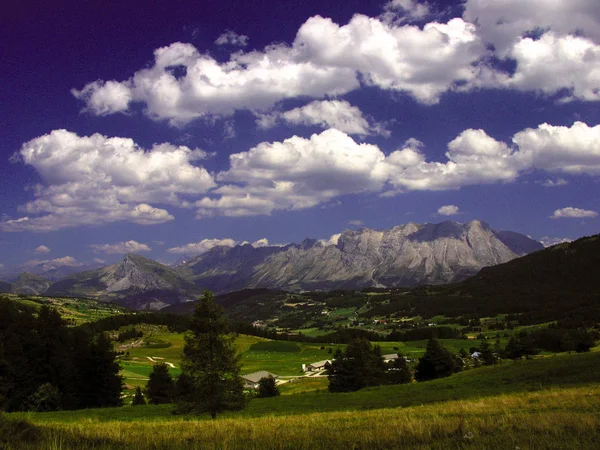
x,y
557,283
135,282
406,255
30,284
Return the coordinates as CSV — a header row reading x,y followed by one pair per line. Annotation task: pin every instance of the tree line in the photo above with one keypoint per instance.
x,y
47,365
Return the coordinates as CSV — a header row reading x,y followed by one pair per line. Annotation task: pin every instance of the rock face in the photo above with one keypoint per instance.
x,y
135,282
406,255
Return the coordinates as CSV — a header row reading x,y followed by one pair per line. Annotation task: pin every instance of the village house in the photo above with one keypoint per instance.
x,y
252,380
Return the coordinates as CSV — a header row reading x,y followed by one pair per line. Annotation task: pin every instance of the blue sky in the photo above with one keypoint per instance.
x,y
166,128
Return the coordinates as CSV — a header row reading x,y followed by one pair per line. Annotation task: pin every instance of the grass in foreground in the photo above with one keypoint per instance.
x,y
552,419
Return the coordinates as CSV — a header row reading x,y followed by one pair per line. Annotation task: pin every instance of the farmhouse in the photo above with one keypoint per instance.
x,y
252,379
317,366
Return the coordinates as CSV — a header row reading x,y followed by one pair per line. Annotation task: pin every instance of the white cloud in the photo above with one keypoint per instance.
x,y
503,23
49,264
121,247
407,9
95,180
554,63
337,114
473,158
554,183
425,62
254,80
554,44
232,38
1,266
325,59
448,210
573,213
573,150
301,173
203,246
42,249
264,242
548,241
333,240
356,222
295,174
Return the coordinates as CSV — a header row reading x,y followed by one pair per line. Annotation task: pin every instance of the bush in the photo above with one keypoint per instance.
x,y
267,387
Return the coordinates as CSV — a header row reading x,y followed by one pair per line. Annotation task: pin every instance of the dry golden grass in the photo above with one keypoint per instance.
x,y
550,419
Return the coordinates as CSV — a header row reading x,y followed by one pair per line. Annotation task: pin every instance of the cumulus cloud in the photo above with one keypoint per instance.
x,y
325,114
42,249
325,59
197,248
548,241
94,179
573,150
295,174
573,213
504,23
232,38
448,210
121,247
554,44
254,80
301,173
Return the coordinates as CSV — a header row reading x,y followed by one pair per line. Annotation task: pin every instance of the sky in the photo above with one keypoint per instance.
x,y
168,127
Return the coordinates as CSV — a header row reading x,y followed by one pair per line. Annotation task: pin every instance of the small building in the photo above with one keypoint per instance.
x,y
317,366
392,357
252,379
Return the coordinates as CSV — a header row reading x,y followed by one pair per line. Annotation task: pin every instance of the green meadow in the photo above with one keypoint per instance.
x,y
551,402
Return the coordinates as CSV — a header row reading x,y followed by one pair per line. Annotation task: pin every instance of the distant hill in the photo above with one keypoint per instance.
x,y
559,282
30,284
136,282
232,300
405,255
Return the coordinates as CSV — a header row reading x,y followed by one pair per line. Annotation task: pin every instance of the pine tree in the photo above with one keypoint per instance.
x,y
437,362
359,366
161,387
210,362
138,398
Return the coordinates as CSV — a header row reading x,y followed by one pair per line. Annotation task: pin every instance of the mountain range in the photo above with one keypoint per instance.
x,y
405,255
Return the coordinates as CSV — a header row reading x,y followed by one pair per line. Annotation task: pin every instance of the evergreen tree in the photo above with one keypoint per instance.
x,y
210,362
486,354
100,384
160,387
267,387
138,398
437,362
359,366
398,371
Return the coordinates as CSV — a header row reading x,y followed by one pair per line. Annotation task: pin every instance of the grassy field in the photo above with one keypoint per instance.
x,y
76,310
550,403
